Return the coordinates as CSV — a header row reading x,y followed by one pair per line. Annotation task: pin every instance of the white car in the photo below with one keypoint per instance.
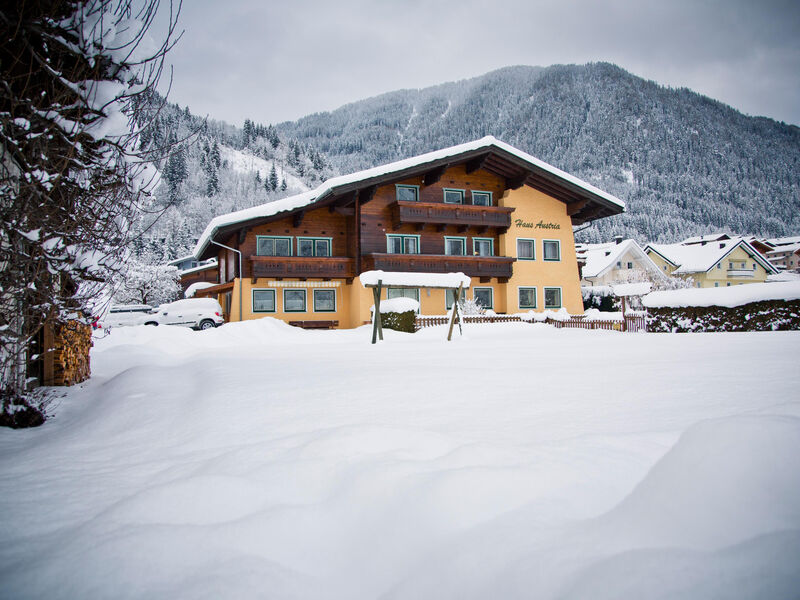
x,y
121,315
197,313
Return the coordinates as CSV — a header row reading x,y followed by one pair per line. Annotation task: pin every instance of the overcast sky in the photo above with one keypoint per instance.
x,y
277,61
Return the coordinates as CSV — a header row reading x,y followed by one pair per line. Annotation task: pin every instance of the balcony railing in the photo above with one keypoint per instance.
x,y
740,272
302,266
474,266
437,213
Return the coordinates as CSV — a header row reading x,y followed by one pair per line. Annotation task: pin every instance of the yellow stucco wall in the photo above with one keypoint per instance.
x,y
535,217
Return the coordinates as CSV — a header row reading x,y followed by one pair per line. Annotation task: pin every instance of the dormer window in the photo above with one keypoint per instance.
x,y
453,196
481,198
407,193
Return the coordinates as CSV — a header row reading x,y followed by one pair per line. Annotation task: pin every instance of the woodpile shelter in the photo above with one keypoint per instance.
x,y
59,354
484,208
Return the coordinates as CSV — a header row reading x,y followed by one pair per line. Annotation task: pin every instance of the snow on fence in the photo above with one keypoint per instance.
x,y
633,322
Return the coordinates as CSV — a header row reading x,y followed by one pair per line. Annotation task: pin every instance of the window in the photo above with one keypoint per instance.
x,y
263,301
481,198
630,265
402,244
313,246
455,246
719,265
324,300
526,249
527,297
454,196
273,246
728,284
412,293
716,284
483,246
552,297
551,249
619,263
484,297
407,193
449,296
294,300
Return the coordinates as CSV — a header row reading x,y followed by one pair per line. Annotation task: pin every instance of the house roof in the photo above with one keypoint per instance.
x,y
697,258
791,248
600,258
710,237
784,241
488,153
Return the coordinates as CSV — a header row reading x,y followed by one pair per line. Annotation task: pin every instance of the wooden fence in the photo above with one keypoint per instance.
x,y
633,323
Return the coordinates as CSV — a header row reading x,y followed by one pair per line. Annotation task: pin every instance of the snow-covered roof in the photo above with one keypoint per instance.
x,y
632,289
698,258
709,237
327,188
431,280
209,264
784,241
783,249
735,295
195,287
600,258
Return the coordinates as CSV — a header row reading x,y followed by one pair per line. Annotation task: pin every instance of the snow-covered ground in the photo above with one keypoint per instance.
x,y
519,461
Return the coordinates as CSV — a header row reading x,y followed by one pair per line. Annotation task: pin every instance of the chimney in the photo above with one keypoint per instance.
x,y
618,239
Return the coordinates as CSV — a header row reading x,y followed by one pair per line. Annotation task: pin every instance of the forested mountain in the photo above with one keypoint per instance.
x,y
685,164
214,168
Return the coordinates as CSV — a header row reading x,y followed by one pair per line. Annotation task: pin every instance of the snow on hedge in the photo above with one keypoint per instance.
x,y
397,305
736,295
390,278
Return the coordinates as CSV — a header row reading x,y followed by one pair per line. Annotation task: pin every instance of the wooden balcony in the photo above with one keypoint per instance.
x,y
474,266
438,213
302,266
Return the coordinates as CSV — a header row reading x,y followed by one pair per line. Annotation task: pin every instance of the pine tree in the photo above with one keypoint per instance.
x,y
283,185
273,178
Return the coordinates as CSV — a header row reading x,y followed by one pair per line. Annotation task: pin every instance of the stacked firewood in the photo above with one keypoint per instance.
x,y
72,342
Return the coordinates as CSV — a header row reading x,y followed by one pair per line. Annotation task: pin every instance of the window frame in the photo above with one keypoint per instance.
x,y
403,237
315,239
560,297
314,300
483,239
544,254
475,291
460,191
472,197
533,246
453,292
253,300
535,297
305,300
398,186
290,239
455,237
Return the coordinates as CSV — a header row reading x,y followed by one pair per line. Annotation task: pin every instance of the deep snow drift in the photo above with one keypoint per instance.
x,y
519,461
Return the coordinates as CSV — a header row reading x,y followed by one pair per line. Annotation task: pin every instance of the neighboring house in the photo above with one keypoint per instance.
x,y
483,208
205,272
712,264
785,257
620,261
705,239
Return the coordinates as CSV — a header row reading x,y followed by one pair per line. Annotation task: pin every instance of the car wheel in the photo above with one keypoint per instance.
x,y
152,323
206,324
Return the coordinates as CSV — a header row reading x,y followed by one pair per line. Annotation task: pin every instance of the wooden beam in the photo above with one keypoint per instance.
x,y
575,207
242,234
455,313
434,175
367,194
297,219
477,163
357,215
513,183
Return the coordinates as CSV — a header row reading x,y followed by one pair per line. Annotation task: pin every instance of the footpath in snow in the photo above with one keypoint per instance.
x,y
519,461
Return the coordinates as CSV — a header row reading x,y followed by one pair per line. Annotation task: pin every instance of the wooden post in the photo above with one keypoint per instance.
x,y
624,320
455,312
377,324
